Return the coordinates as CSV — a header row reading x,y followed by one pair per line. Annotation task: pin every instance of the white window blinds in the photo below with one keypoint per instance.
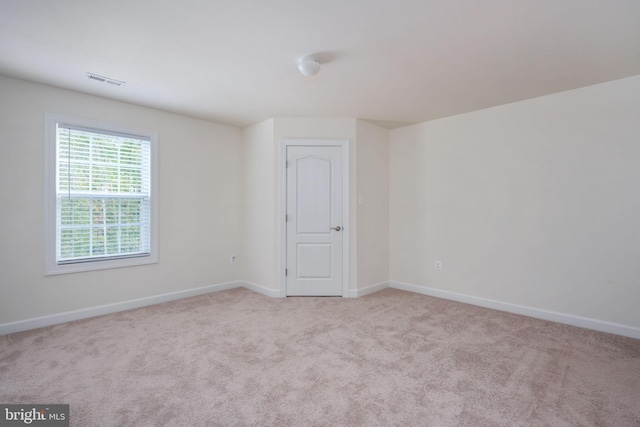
x,y
103,191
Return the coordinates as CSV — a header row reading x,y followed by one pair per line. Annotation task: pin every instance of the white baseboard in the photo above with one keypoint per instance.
x,y
273,293
355,293
54,319
554,316
583,322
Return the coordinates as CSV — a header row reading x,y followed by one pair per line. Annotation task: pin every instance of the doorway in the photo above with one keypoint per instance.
x,y
315,178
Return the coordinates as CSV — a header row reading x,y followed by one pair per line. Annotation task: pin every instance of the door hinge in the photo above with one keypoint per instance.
x,y
286,271
286,218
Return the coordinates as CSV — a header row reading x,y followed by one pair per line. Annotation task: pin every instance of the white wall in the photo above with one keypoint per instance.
x,y
199,212
259,258
372,200
534,203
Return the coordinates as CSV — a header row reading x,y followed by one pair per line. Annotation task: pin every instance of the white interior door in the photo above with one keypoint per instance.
x,y
314,223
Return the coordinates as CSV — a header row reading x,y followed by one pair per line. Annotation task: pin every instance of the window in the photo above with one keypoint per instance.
x,y
101,203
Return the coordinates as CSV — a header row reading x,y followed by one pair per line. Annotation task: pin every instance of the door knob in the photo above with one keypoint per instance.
x,y
338,228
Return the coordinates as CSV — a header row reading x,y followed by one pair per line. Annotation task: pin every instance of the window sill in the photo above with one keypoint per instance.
x,y
80,267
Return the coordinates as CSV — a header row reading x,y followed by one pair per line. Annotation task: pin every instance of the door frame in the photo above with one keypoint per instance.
x,y
306,142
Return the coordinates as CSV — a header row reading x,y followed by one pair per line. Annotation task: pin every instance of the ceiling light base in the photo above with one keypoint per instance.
x,y
309,66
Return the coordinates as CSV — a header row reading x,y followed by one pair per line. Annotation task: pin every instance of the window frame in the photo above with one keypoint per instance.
x,y
51,265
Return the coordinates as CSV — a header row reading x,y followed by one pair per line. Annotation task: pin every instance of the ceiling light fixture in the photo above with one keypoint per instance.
x,y
309,66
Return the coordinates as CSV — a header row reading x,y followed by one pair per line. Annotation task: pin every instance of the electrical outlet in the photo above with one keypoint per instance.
x,y
232,259
437,265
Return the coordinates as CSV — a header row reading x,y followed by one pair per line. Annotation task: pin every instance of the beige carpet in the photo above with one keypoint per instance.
x,y
390,358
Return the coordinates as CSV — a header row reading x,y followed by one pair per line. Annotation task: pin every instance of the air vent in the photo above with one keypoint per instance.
x,y
103,79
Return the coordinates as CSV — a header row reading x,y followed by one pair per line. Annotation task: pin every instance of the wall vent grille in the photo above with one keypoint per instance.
x,y
104,79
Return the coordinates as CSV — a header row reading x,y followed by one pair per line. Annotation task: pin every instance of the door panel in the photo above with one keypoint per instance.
x,y
314,211
314,179
314,260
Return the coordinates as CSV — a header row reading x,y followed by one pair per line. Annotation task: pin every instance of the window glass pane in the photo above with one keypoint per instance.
x,y
64,142
131,180
105,149
78,179
63,177
112,211
104,178
75,211
113,240
75,243
98,241
130,152
97,212
96,176
130,239
79,147
130,211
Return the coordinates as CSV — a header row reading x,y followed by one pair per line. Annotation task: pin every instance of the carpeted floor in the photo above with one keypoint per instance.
x,y
390,358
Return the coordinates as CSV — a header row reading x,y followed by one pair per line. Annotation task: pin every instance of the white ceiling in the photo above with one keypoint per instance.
x,y
392,62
